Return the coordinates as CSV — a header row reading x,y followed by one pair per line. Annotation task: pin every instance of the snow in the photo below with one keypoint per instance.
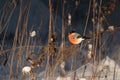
x,y
108,63
82,79
63,78
105,70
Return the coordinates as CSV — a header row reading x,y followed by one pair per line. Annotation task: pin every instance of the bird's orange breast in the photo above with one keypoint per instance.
x,y
73,40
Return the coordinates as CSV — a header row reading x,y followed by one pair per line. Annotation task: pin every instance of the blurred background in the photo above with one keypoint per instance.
x,y
20,17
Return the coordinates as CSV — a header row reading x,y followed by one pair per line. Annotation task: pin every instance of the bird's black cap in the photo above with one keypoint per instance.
x,y
73,31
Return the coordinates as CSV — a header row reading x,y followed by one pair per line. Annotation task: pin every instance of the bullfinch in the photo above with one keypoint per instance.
x,y
76,38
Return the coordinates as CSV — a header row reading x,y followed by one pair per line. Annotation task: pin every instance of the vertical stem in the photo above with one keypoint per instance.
x,y
15,39
4,38
49,38
94,52
23,34
100,24
88,14
114,72
8,19
63,29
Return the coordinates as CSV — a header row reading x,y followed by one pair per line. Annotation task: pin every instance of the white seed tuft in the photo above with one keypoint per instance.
x,y
32,34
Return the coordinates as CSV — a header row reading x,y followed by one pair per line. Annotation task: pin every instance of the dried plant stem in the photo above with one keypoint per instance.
x,y
94,51
15,39
114,76
4,38
47,71
88,14
21,41
8,19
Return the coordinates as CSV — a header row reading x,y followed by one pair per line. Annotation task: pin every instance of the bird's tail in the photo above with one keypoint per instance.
x,y
85,37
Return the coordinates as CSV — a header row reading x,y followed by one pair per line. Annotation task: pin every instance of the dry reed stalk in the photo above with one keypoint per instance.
x,y
88,14
21,41
4,38
47,70
13,52
100,23
114,75
4,15
15,40
63,29
55,18
94,43
57,61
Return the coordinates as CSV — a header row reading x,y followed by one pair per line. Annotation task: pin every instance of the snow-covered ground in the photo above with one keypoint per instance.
x,y
107,69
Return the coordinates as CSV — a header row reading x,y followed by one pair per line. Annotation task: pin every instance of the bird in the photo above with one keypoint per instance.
x,y
27,70
76,38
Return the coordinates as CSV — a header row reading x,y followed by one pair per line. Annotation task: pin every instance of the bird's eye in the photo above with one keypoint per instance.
x,y
73,38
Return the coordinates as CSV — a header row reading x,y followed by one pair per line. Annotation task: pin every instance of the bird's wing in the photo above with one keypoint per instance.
x,y
76,35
